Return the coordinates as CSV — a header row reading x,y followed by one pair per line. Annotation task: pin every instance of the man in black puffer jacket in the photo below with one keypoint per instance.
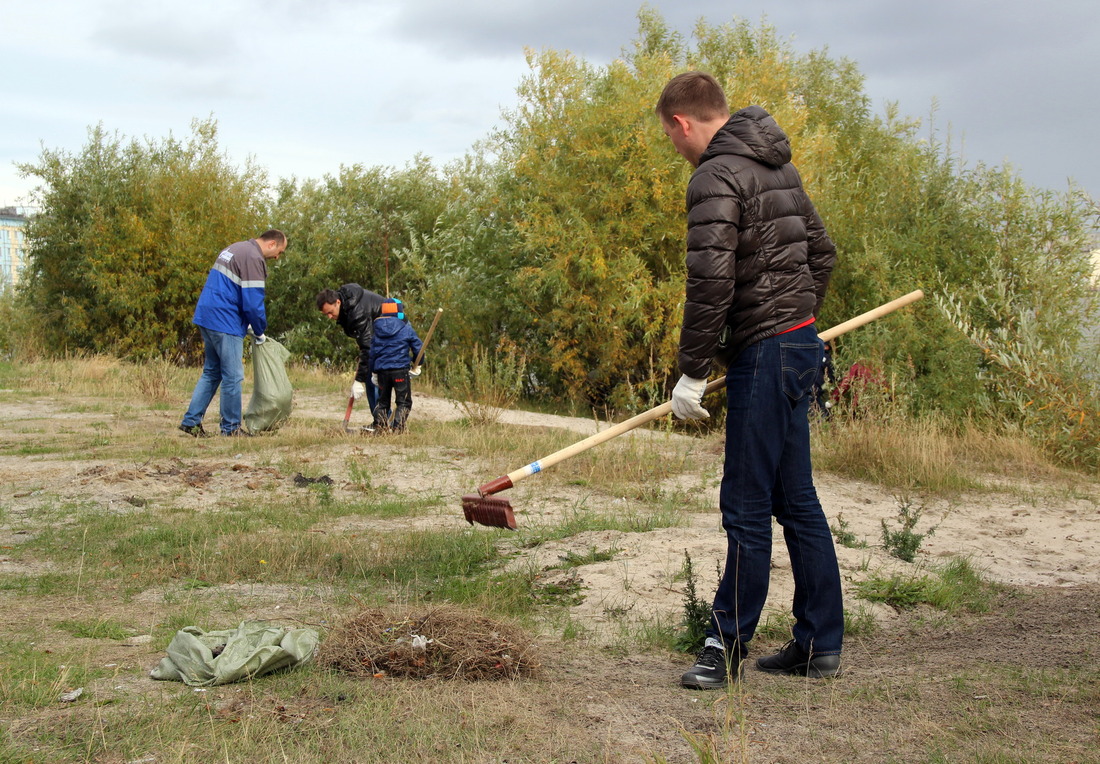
x,y
355,309
758,264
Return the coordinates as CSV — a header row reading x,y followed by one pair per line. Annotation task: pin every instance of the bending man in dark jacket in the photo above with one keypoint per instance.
x,y
354,310
758,264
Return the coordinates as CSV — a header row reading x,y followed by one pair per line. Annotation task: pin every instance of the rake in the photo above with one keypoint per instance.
x,y
493,511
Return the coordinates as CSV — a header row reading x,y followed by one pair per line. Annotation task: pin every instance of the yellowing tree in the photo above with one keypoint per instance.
x,y
126,235
599,196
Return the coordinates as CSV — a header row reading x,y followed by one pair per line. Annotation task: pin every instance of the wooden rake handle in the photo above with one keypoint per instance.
x,y
871,315
507,481
427,338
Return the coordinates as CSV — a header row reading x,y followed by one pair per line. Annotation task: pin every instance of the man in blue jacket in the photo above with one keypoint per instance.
x,y
231,301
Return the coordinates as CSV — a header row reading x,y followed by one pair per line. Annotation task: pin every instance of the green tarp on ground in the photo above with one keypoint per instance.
x,y
272,394
205,659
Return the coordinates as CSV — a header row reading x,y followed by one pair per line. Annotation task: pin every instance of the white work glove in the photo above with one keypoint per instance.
x,y
415,371
260,339
358,390
687,398
374,379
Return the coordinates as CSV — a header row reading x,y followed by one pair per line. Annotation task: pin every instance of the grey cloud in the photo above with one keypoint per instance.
x,y
992,67
166,40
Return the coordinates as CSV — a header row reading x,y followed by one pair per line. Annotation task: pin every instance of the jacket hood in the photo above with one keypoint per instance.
x,y
387,326
349,303
751,133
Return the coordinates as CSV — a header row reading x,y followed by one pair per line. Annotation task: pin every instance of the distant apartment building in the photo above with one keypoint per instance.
x,y
13,246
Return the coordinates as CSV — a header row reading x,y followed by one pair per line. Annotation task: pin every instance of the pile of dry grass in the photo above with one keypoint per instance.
x,y
446,642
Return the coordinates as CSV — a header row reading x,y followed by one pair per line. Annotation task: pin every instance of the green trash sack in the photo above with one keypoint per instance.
x,y
205,659
272,395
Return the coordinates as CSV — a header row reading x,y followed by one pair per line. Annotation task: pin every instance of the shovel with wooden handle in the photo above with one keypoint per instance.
x,y
496,511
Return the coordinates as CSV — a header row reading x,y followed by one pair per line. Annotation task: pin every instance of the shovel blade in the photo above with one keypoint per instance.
x,y
493,511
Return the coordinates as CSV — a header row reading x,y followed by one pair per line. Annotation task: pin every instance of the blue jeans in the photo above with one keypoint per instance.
x,y
223,366
767,473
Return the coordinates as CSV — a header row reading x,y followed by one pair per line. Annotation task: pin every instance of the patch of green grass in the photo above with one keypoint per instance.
x,y
104,628
656,633
859,622
40,585
956,586
31,677
1076,684
253,540
395,506
574,560
185,611
962,586
564,592
34,449
774,626
573,631
902,592
579,521
507,593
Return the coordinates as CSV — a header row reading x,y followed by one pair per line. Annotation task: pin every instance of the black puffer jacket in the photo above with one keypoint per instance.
x,y
758,257
358,309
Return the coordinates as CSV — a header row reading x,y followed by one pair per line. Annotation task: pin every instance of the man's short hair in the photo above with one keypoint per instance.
x,y
275,235
327,297
694,94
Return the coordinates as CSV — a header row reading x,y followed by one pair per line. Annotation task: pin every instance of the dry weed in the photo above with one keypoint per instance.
x,y
446,642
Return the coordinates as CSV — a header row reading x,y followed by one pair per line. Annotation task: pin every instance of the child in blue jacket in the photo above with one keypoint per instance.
x,y
393,347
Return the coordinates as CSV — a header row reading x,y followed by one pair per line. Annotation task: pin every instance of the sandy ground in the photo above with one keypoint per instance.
x,y
898,688
1022,536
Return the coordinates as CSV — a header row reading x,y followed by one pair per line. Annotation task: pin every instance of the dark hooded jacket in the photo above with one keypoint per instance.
x,y
758,257
358,309
395,344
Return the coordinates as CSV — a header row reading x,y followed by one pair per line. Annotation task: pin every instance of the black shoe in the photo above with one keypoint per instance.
x,y
792,659
195,431
240,432
711,670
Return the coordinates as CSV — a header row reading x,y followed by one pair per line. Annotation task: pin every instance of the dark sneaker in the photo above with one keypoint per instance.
x,y
711,671
792,659
240,432
195,431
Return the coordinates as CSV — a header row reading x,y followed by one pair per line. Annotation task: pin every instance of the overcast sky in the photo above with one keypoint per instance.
x,y
303,86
